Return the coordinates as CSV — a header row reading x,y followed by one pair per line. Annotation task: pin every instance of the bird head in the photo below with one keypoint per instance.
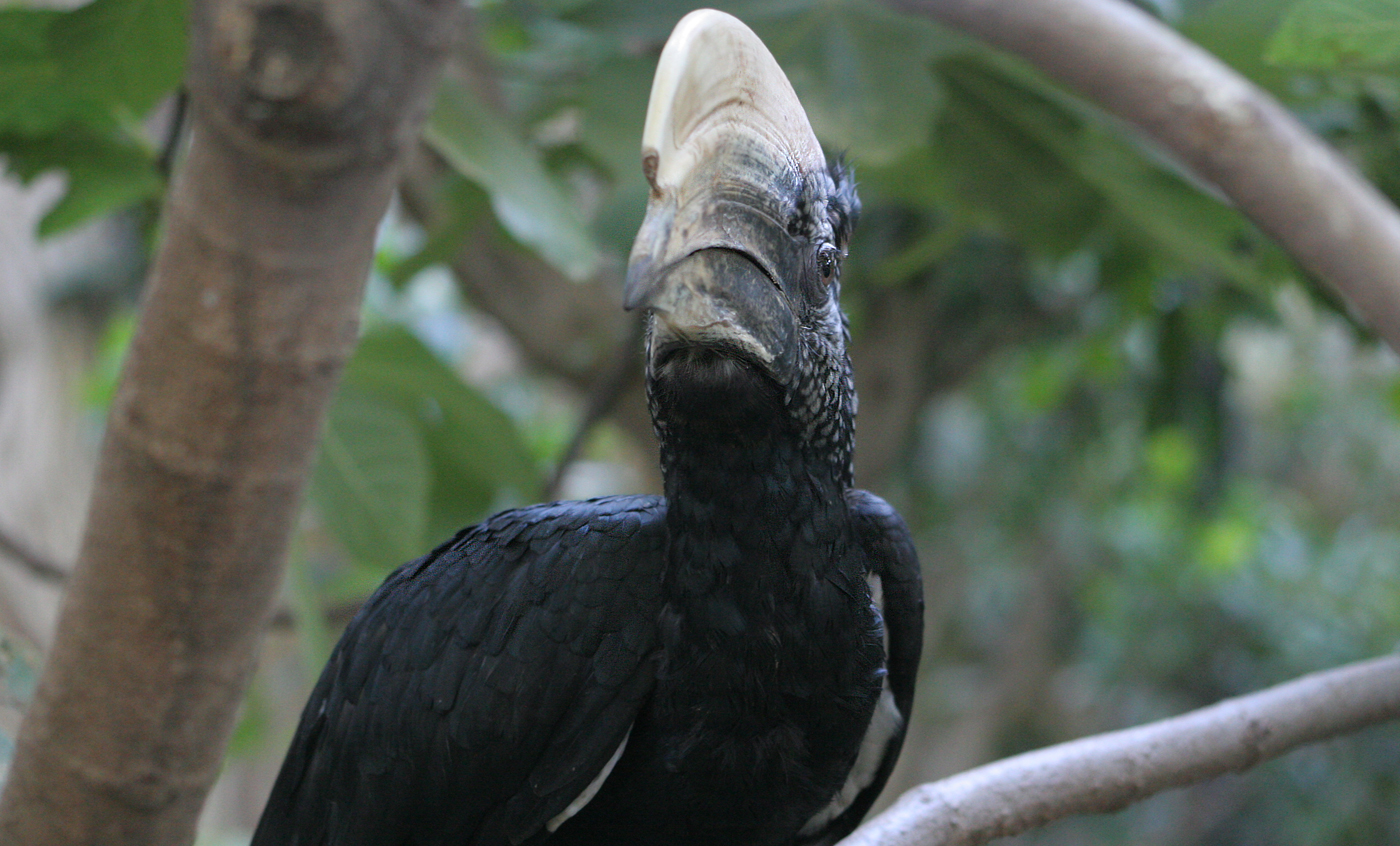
x,y
738,259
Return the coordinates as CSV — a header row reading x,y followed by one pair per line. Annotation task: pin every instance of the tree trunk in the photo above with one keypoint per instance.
x,y
301,113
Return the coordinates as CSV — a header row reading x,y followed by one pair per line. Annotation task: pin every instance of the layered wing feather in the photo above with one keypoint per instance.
x,y
897,594
483,686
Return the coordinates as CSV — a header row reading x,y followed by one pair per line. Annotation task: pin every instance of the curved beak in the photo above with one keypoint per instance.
x,y
726,149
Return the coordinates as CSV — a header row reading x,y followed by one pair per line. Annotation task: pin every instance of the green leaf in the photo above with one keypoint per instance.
x,y
481,145
1192,227
370,481
1326,34
1236,32
461,203
73,88
250,732
1006,145
32,100
105,172
1226,544
101,65
475,456
612,103
838,57
100,384
1054,174
125,54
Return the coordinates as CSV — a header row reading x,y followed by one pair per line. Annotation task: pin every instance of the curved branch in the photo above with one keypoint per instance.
x,y
1110,771
1231,134
302,111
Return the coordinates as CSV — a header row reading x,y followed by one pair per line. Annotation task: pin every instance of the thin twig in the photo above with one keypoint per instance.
x,y
41,568
165,163
621,373
38,566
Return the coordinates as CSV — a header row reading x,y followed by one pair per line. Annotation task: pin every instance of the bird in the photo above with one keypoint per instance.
x,y
729,663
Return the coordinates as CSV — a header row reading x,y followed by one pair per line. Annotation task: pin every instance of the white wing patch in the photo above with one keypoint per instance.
x,y
591,790
885,723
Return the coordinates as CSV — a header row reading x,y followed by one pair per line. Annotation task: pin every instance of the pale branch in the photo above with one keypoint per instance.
x,y
1224,129
1110,771
301,113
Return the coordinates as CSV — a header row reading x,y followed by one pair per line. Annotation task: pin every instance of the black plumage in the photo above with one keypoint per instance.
x,y
731,663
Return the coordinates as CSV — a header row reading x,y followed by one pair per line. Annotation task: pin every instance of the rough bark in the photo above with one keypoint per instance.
x,y
1110,771
1232,135
301,113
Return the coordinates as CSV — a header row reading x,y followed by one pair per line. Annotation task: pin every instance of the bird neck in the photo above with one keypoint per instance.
x,y
738,498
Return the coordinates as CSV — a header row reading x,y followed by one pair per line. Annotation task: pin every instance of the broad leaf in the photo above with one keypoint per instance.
x,y
80,67
1236,32
476,459
481,145
1055,174
73,89
370,481
105,172
94,43
29,72
1005,144
861,103
837,55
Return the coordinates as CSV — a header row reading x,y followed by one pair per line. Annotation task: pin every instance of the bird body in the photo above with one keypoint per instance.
x,y
730,664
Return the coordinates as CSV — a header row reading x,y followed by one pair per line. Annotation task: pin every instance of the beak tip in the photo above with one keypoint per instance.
x,y
637,291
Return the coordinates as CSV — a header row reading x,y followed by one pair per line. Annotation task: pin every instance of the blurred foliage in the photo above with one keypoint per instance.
x,y
1327,34
1158,466
74,88
484,147
19,671
408,450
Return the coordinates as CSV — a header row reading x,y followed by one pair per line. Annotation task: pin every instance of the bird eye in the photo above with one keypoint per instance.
x,y
828,258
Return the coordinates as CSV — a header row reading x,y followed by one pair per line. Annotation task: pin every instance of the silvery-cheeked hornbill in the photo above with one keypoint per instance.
x,y
731,664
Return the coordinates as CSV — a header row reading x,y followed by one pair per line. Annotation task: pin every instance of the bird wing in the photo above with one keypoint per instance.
x,y
483,687
898,596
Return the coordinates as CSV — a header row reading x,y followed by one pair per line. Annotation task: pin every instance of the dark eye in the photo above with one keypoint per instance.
x,y
828,259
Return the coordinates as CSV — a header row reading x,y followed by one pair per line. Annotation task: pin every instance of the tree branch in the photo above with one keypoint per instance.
x,y
301,113
1294,187
37,566
1110,771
